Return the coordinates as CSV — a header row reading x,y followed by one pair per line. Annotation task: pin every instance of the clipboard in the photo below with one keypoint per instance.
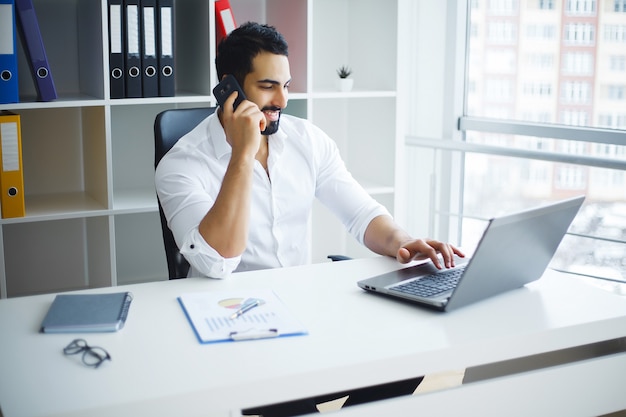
x,y
216,316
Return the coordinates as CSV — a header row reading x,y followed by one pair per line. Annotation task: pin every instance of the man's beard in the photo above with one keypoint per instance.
x,y
272,127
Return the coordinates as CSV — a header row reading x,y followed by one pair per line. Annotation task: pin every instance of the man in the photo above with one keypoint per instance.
x,y
238,190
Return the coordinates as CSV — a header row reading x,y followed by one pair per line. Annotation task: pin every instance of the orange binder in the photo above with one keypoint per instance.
x,y
225,21
11,173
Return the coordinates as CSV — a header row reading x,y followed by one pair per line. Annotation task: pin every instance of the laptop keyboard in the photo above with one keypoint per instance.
x,y
431,285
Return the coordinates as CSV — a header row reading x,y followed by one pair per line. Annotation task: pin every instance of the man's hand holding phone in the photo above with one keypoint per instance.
x,y
241,118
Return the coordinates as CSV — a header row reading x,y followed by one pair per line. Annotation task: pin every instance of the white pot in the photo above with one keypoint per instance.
x,y
345,84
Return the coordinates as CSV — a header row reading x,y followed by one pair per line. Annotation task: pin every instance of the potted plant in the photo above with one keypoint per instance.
x,y
345,83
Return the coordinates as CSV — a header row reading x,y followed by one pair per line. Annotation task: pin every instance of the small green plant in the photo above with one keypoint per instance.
x,y
344,72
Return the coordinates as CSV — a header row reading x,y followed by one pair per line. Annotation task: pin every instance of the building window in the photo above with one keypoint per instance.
x,y
617,63
579,34
580,63
574,118
503,7
576,92
580,7
615,33
616,92
501,32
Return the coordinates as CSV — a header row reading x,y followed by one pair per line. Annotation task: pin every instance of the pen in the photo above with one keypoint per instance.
x,y
245,307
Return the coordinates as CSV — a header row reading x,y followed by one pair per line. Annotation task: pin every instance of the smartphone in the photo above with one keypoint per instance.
x,y
225,88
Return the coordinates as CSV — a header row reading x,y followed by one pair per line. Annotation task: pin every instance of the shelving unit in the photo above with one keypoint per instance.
x,y
91,211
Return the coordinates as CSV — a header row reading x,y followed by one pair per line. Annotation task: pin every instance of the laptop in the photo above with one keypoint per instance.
x,y
514,250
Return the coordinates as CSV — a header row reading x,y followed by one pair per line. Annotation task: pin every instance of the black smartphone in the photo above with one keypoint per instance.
x,y
225,88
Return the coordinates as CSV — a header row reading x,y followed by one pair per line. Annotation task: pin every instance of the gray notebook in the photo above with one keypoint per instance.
x,y
513,251
77,313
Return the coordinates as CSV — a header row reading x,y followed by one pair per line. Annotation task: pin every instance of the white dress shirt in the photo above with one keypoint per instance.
x,y
303,163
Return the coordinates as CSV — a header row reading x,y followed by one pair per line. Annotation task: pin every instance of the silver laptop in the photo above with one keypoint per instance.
x,y
514,250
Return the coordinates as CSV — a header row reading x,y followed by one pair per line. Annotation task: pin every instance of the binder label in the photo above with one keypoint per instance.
x,y
227,20
116,28
133,29
149,42
10,147
167,49
6,29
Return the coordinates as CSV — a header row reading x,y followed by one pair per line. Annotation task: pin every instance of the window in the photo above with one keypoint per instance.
x,y
580,7
578,63
576,92
540,119
615,33
617,63
579,34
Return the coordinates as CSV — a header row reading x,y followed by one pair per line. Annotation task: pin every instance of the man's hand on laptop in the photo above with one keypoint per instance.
x,y
420,249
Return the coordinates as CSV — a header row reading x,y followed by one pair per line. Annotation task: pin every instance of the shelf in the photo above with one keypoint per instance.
x,y
135,200
352,94
59,206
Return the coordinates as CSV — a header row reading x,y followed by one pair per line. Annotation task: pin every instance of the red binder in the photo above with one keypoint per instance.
x,y
224,19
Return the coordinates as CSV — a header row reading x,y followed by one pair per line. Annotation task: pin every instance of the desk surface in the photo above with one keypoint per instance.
x,y
355,339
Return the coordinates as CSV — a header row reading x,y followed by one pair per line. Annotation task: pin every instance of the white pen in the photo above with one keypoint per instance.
x,y
245,307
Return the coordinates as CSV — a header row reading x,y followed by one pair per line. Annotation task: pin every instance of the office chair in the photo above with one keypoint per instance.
x,y
169,126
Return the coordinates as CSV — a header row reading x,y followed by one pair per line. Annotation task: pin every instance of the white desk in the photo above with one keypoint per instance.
x,y
355,339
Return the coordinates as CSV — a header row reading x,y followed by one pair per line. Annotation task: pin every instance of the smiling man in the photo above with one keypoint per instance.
x,y
238,189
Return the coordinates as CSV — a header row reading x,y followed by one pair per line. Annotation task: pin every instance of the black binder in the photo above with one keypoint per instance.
x,y
165,47
150,78
116,49
132,35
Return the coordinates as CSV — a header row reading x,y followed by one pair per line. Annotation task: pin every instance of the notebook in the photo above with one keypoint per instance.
x,y
514,250
78,313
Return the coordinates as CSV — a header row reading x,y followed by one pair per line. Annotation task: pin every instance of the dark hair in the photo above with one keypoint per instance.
x,y
236,52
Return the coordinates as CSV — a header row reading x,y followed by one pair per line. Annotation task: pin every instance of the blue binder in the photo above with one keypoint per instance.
x,y
28,26
9,92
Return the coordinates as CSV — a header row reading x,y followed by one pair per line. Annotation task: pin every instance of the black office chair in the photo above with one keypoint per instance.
x,y
169,126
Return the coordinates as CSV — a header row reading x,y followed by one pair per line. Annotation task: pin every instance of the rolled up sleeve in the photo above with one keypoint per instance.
x,y
204,259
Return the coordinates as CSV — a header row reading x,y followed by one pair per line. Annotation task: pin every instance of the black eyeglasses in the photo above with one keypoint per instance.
x,y
92,355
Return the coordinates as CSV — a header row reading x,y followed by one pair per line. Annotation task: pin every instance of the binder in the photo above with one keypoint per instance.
x,y
117,74
11,172
165,47
32,41
9,92
132,60
77,313
150,79
224,18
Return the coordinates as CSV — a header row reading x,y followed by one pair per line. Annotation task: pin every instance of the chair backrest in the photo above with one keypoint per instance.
x,y
169,126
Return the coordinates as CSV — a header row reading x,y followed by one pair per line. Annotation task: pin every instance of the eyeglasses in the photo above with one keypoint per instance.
x,y
92,355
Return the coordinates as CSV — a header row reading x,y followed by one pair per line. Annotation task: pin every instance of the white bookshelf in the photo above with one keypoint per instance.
x,y
91,211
